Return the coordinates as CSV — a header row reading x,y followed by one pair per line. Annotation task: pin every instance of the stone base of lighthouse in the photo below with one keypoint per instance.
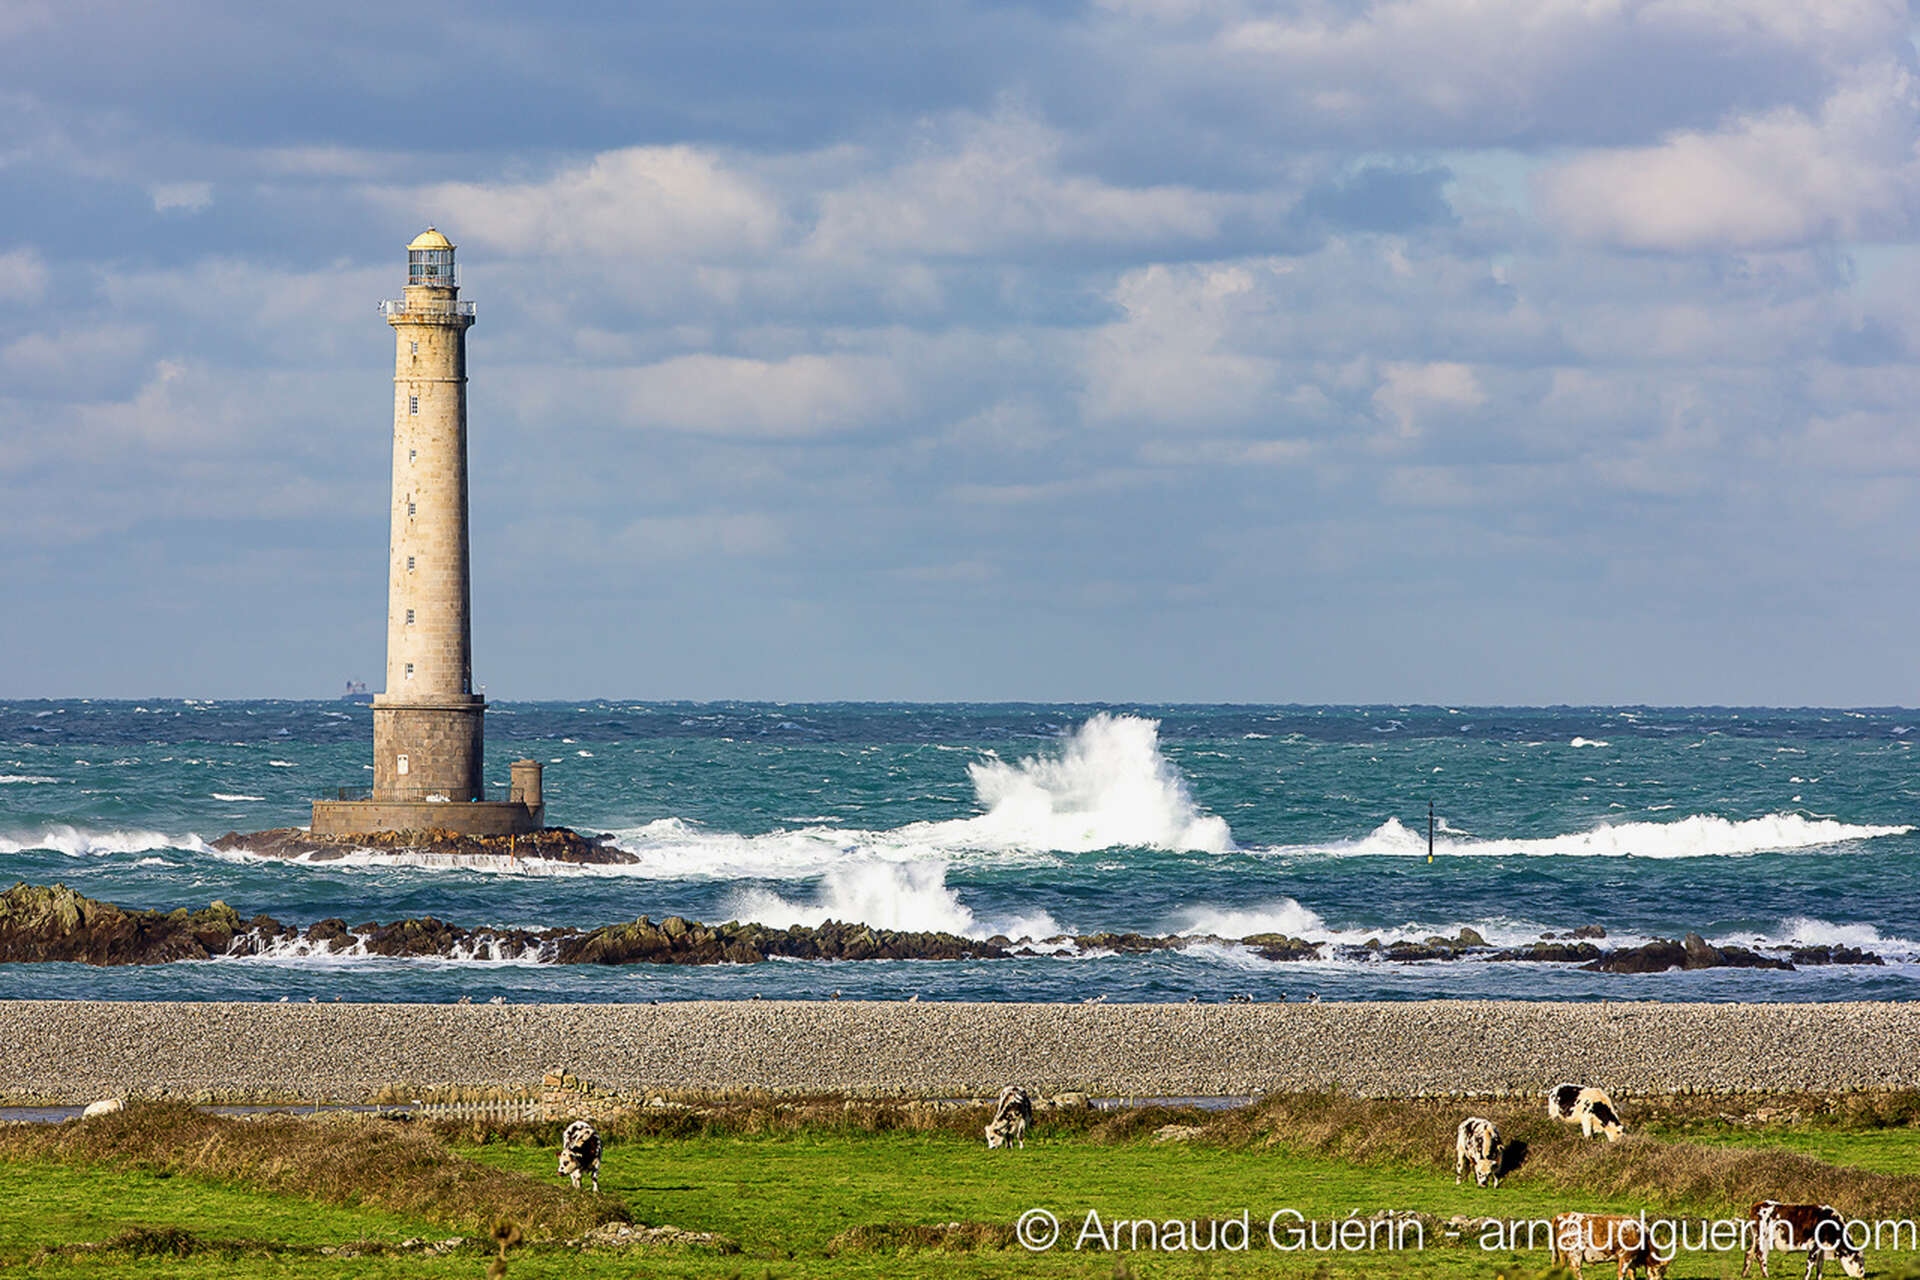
x,y
427,775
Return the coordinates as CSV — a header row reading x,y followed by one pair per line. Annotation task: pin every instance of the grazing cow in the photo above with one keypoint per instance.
x,y
580,1153
1594,1110
1580,1238
1818,1228
1011,1116
1478,1141
1587,1107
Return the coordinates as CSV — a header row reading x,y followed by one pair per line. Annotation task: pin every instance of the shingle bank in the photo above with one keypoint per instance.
x,y
78,1050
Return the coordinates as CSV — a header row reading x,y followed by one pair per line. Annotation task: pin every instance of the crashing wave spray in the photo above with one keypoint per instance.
x,y
1109,787
887,895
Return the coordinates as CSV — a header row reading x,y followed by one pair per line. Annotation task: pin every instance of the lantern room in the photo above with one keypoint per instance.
x,y
430,260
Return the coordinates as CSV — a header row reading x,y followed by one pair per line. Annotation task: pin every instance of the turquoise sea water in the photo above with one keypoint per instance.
x,y
1751,826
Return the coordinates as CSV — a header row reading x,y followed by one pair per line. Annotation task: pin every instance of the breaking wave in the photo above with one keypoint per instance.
x,y
885,895
76,843
26,779
1700,836
1109,786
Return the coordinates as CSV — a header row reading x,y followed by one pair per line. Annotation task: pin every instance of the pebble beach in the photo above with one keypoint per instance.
x,y
75,1051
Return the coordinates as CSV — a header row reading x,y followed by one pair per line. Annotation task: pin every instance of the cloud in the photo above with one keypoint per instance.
x,y
801,395
1001,186
1174,358
187,197
1407,392
635,202
23,275
1849,170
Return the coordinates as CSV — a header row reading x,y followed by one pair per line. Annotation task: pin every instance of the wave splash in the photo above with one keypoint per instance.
x,y
1699,836
1109,786
76,843
912,896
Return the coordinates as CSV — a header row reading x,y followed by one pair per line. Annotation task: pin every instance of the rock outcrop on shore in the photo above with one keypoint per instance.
x,y
550,844
56,923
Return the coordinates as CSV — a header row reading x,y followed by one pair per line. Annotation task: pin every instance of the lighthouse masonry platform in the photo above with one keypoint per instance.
x,y
428,734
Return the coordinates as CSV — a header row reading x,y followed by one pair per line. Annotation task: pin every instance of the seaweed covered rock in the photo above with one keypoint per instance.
x,y
53,923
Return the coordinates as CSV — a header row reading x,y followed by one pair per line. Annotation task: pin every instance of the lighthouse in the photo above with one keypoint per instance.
x,y
428,724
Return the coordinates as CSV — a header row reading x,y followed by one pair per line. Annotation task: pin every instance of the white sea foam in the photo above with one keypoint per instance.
x,y
1109,786
1285,916
484,949
26,779
229,795
1589,742
76,843
887,895
283,764
1699,836
1808,931
1289,917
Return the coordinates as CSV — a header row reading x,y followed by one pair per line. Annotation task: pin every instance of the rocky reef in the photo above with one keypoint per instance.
x,y
551,844
56,923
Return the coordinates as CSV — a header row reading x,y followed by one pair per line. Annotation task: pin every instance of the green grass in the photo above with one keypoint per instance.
x,y
825,1192
1882,1151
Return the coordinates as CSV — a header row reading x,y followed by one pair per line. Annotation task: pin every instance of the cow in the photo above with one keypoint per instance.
x,y
1011,1116
1587,1107
580,1153
1579,1238
1595,1112
1818,1228
1477,1141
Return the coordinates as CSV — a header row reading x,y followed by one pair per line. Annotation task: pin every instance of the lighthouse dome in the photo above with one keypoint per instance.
x,y
430,239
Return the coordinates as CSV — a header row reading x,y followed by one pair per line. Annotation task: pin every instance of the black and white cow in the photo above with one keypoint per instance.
x,y
1011,1116
1774,1227
1478,1143
1590,1108
580,1153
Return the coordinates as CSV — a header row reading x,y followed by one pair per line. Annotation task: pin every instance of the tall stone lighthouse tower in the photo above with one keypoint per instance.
x,y
427,726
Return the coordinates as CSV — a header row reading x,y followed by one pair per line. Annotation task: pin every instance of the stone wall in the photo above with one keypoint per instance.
x,y
482,818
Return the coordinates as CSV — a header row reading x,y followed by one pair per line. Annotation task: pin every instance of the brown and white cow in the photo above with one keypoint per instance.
x,y
1579,1238
1011,1116
1478,1142
1773,1227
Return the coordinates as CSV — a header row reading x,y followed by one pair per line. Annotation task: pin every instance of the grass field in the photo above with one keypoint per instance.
x,y
799,1190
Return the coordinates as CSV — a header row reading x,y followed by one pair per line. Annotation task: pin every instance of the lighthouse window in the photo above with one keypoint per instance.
x,y
412,454
409,617
409,564
409,671
413,404
409,508
400,765
415,346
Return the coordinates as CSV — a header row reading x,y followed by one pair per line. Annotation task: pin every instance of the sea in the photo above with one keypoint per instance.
x,y
1758,827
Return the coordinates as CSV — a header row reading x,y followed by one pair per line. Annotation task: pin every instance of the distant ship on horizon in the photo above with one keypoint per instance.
x,y
356,691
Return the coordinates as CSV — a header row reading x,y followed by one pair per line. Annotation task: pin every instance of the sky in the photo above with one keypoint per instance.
x,y
1470,351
